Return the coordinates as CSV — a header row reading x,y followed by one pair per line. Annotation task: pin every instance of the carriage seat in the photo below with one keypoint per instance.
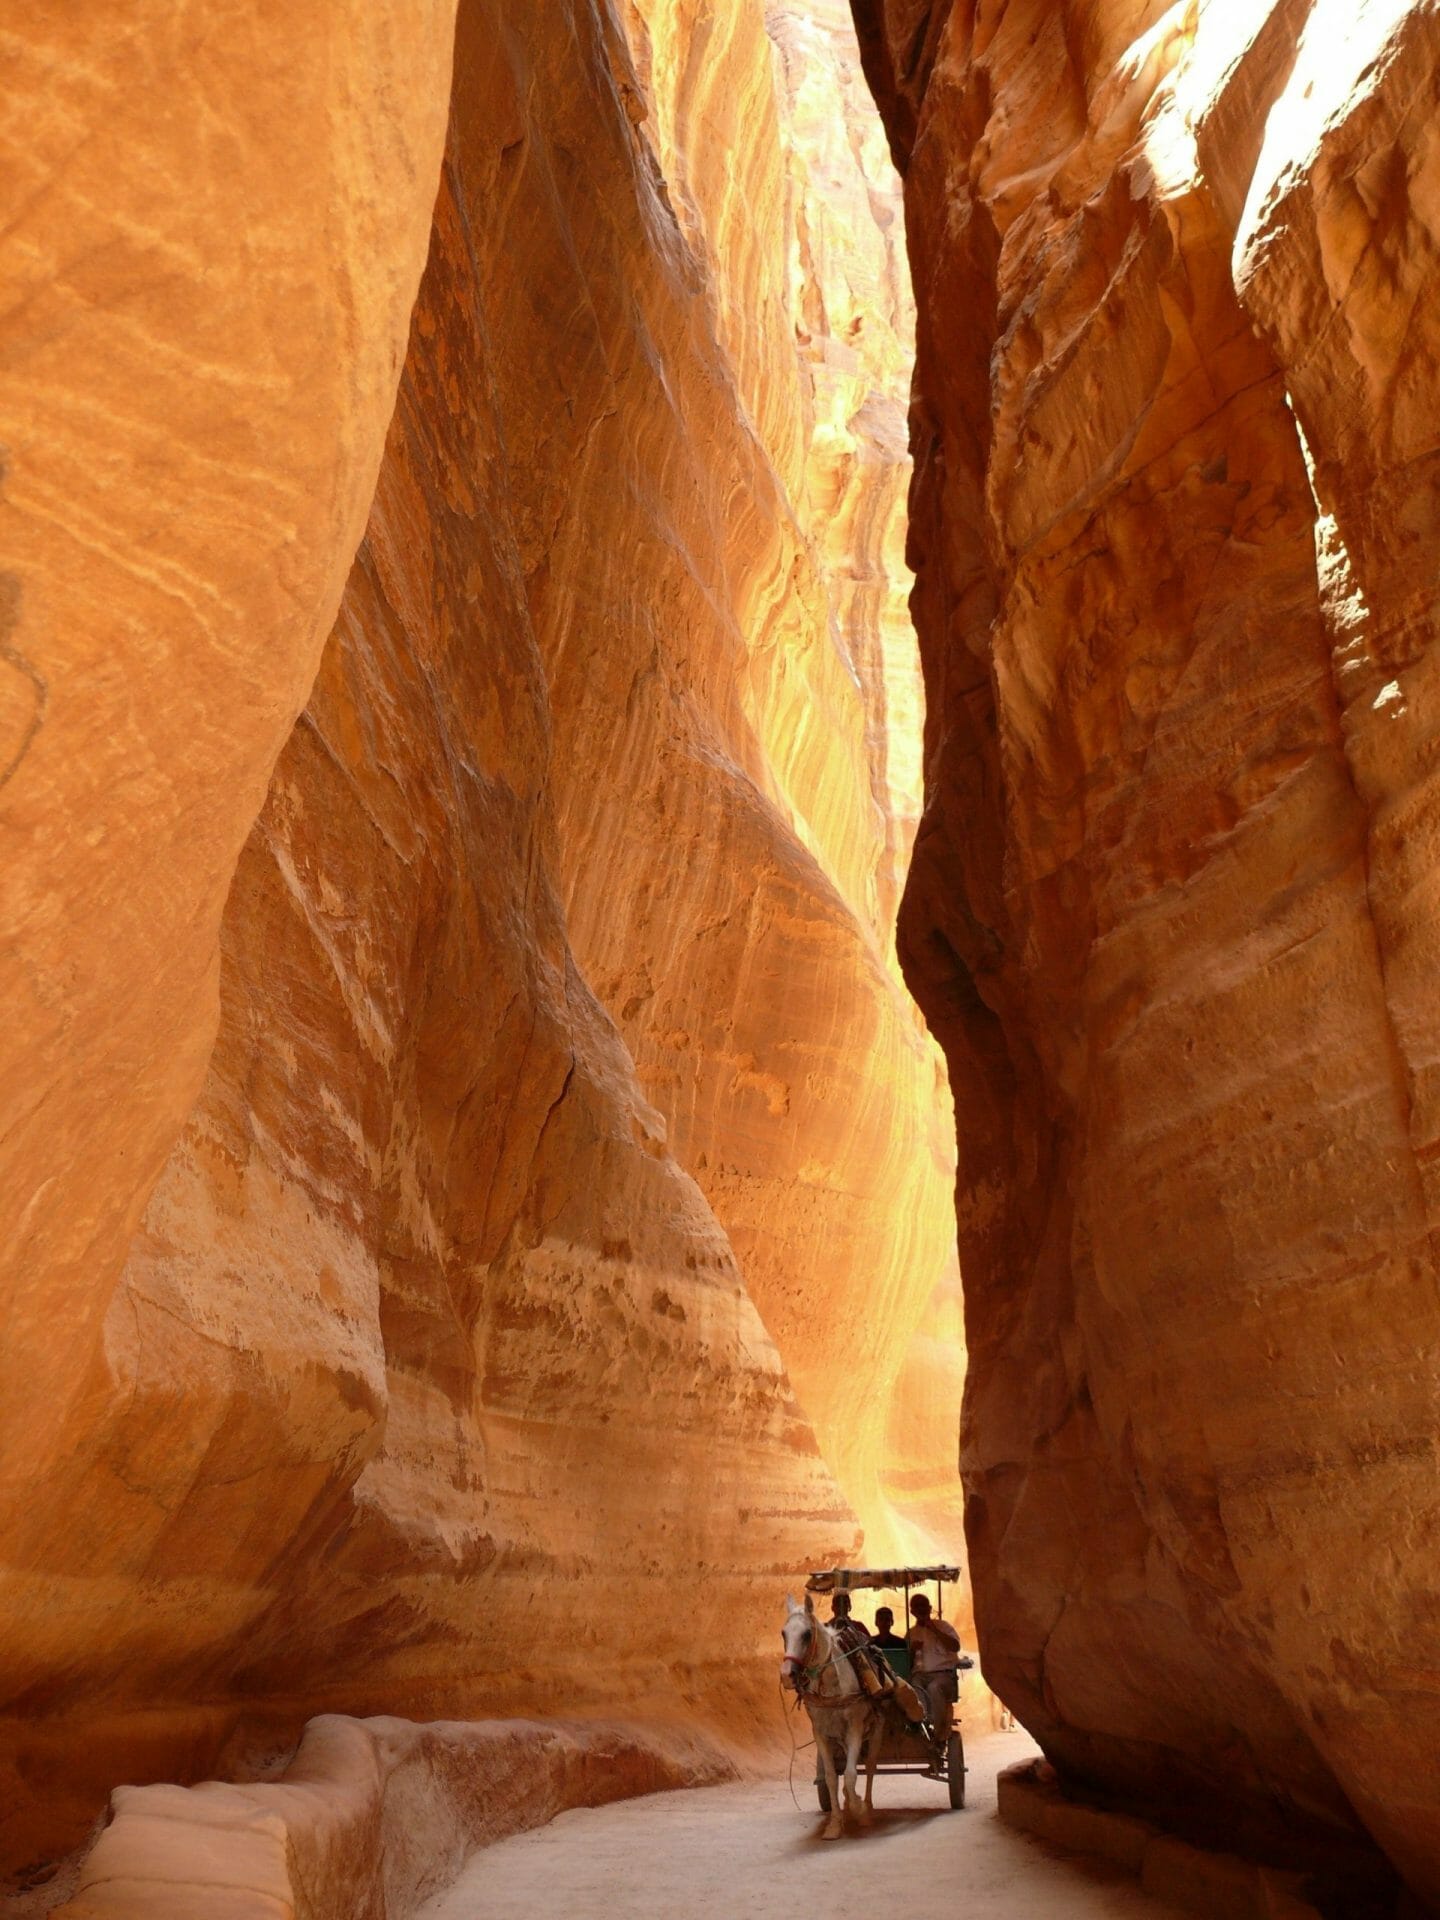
x,y
898,1659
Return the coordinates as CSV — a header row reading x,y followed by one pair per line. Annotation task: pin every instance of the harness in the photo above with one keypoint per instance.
x,y
808,1685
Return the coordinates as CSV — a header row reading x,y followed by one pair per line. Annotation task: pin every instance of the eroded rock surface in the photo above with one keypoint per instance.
x,y
1172,910
737,702
369,1818
521,1301
211,250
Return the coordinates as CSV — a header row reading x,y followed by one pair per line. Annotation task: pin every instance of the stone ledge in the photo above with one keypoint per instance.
x,y
369,1820
1215,1886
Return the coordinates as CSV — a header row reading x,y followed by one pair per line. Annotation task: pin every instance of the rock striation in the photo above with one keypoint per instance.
x,y
1172,910
750,976
207,310
853,316
471,1229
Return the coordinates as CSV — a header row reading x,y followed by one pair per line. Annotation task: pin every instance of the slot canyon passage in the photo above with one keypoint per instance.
x,y
479,1202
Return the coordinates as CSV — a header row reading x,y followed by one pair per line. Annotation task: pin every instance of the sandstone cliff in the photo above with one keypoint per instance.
x,y
1172,910
723,873
516,1301
206,314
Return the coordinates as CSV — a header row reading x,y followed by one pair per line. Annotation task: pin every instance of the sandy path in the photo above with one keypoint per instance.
x,y
744,1853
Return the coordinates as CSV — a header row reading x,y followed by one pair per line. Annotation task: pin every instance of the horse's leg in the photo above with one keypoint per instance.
x,y
854,1734
872,1760
834,1826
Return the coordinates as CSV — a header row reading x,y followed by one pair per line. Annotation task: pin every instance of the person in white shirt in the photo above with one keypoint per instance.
x,y
935,1660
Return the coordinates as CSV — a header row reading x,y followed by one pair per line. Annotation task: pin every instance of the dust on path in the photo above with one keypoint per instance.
x,y
744,1853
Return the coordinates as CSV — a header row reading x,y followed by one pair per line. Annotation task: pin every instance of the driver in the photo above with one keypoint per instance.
x,y
935,1660
849,1632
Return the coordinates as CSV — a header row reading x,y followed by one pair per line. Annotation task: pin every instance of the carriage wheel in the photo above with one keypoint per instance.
x,y
822,1794
955,1769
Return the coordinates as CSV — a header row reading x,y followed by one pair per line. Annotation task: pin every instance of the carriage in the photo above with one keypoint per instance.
x,y
905,1747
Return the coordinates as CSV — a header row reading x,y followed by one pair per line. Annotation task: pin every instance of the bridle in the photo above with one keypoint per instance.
x,y
794,1667
806,1678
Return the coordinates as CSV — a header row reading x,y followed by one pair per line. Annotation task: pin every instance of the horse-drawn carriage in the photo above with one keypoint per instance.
x,y
850,1724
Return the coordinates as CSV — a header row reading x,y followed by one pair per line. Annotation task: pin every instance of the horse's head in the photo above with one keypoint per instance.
x,y
800,1637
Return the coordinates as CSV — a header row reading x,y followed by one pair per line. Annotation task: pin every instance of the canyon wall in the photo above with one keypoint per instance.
x,y
1173,906
724,874
470,1230
207,312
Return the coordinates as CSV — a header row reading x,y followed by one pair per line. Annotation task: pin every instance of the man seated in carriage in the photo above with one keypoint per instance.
x,y
849,1632
935,1660
885,1639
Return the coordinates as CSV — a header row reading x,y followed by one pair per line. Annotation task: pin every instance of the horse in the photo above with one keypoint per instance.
x,y
838,1706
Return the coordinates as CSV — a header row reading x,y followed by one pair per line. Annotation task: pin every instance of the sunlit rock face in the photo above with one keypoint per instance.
x,y
211,251
512,1294
1173,910
727,815
854,322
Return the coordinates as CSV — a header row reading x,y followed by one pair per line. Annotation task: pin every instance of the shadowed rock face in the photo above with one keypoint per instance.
x,y
1173,907
508,1296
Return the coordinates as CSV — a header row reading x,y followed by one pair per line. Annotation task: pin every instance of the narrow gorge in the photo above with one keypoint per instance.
x,y
479,1189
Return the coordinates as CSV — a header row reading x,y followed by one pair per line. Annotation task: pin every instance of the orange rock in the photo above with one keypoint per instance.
x,y
521,1300
212,245
757,799
1171,909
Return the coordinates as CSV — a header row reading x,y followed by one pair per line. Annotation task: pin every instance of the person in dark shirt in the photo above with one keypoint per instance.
x,y
849,1632
885,1635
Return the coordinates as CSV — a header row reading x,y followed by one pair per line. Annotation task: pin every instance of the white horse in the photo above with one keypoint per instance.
x,y
838,1706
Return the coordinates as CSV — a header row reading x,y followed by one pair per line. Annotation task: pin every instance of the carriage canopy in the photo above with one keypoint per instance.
x,y
854,1579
